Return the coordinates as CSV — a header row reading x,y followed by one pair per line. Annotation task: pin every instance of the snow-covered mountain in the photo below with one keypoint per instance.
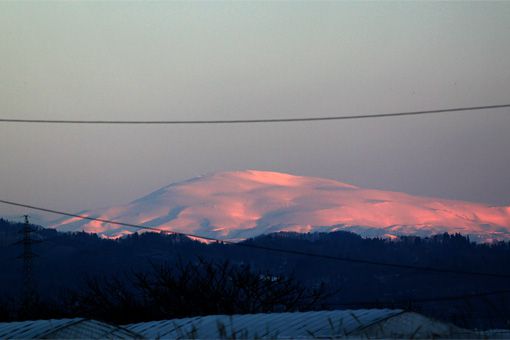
x,y
241,204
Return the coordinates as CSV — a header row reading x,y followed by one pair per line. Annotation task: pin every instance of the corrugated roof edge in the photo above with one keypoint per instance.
x,y
115,327
135,327
400,312
48,333
31,328
135,335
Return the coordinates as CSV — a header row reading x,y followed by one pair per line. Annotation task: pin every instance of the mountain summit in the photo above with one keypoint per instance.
x,y
242,204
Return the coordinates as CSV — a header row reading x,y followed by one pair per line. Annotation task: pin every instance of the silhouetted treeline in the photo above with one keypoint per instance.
x,y
68,260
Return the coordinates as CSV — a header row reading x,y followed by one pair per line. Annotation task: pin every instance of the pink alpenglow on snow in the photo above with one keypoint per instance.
x,y
242,204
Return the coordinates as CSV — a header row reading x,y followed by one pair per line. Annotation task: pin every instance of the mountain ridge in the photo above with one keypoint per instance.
x,y
241,204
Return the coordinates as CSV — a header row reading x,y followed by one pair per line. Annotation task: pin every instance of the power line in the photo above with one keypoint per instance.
x,y
462,297
262,120
425,300
277,250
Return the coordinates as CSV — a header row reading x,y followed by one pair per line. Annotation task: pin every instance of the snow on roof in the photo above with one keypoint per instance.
x,y
274,325
77,328
370,323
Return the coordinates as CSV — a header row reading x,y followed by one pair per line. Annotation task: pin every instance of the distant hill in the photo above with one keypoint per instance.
x,y
66,260
243,204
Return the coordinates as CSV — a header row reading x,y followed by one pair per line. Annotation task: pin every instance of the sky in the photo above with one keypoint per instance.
x,y
242,60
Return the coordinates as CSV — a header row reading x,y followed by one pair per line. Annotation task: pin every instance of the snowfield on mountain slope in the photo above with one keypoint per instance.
x,y
242,204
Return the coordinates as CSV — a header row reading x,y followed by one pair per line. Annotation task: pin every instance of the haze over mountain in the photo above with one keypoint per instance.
x,y
242,204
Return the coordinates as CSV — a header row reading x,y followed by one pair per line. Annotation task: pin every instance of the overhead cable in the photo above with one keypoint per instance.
x,y
254,120
251,245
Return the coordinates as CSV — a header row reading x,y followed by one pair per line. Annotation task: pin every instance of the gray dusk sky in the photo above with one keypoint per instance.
x,y
241,60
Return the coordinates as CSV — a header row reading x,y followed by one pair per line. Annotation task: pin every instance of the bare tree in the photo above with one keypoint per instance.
x,y
193,288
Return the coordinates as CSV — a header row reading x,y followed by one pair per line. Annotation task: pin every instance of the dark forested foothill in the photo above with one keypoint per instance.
x,y
152,276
